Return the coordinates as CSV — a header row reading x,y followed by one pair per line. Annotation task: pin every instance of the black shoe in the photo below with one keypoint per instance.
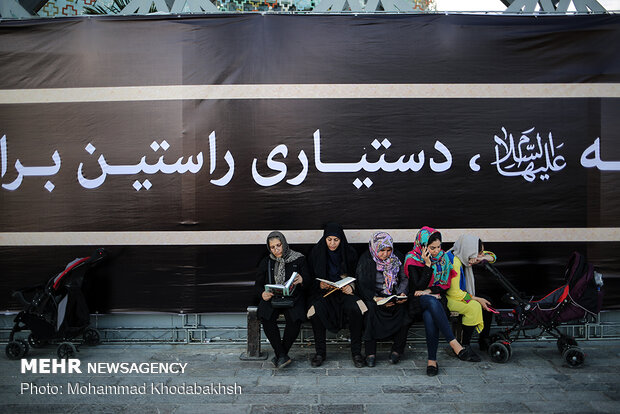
x,y
371,361
484,344
317,361
432,370
283,361
358,361
274,361
394,358
468,354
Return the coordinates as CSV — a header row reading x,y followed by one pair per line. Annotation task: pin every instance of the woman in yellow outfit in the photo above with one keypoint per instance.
x,y
468,250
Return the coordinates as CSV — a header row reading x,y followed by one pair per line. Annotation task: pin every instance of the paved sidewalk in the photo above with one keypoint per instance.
x,y
534,380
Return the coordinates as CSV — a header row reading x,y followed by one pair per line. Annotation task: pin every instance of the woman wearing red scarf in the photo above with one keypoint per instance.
x,y
430,273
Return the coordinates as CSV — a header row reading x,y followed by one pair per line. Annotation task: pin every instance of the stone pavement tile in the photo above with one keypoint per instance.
x,y
494,407
344,388
611,388
553,395
561,407
382,380
362,397
419,389
337,380
210,409
613,395
280,409
460,379
365,371
409,408
340,409
606,406
204,371
503,397
267,389
275,399
287,380
492,387
36,408
127,408
509,378
585,377
252,372
299,371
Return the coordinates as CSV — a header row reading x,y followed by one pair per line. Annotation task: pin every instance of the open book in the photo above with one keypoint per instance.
x,y
392,298
339,284
286,289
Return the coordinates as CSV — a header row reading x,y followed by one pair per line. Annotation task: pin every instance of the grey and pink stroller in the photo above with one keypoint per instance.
x,y
579,299
56,312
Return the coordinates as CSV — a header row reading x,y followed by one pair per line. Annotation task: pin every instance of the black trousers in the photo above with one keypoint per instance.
x,y
400,341
356,322
272,332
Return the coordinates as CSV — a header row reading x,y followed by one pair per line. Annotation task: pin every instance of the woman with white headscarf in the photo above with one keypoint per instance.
x,y
467,251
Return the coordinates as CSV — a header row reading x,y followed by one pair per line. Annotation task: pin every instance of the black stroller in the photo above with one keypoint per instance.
x,y
56,312
579,298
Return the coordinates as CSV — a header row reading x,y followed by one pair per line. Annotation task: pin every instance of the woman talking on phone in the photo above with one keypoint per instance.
x,y
430,273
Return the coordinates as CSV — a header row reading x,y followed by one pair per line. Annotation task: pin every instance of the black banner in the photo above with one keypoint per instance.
x,y
251,122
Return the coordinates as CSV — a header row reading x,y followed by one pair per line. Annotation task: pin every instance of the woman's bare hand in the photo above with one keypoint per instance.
x,y
347,290
483,302
426,256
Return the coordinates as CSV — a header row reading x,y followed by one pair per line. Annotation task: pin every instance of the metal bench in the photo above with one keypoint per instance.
x,y
253,339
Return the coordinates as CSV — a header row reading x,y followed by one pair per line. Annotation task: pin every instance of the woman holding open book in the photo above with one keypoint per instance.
x,y
430,275
280,282
384,287
333,300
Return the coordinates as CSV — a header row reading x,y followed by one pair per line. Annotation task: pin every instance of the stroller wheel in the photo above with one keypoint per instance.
x,y
91,337
499,351
35,342
574,356
26,347
565,342
15,349
66,350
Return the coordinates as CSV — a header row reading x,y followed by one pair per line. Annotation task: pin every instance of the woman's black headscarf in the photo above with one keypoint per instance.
x,y
331,265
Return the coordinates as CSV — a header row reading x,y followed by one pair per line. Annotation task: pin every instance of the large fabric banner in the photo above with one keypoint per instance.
x,y
179,143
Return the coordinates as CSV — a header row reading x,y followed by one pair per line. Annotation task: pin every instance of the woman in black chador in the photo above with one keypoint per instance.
x,y
277,268
333,259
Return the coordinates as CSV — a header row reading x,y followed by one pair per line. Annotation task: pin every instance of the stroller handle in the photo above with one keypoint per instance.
x,y
516,295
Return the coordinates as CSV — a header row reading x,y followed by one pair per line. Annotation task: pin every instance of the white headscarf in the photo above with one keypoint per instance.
x,y
464,248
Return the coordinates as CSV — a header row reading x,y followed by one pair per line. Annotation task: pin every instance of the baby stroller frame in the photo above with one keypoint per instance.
x,y
56,313
579,297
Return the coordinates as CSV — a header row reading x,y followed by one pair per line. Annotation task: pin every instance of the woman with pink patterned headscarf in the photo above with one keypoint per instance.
x,y
382,279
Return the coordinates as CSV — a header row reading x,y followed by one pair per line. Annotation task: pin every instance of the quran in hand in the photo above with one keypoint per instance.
x,y
286,289
339,284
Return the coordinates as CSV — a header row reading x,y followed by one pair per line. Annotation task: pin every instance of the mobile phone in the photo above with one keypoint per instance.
x,y
492,310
